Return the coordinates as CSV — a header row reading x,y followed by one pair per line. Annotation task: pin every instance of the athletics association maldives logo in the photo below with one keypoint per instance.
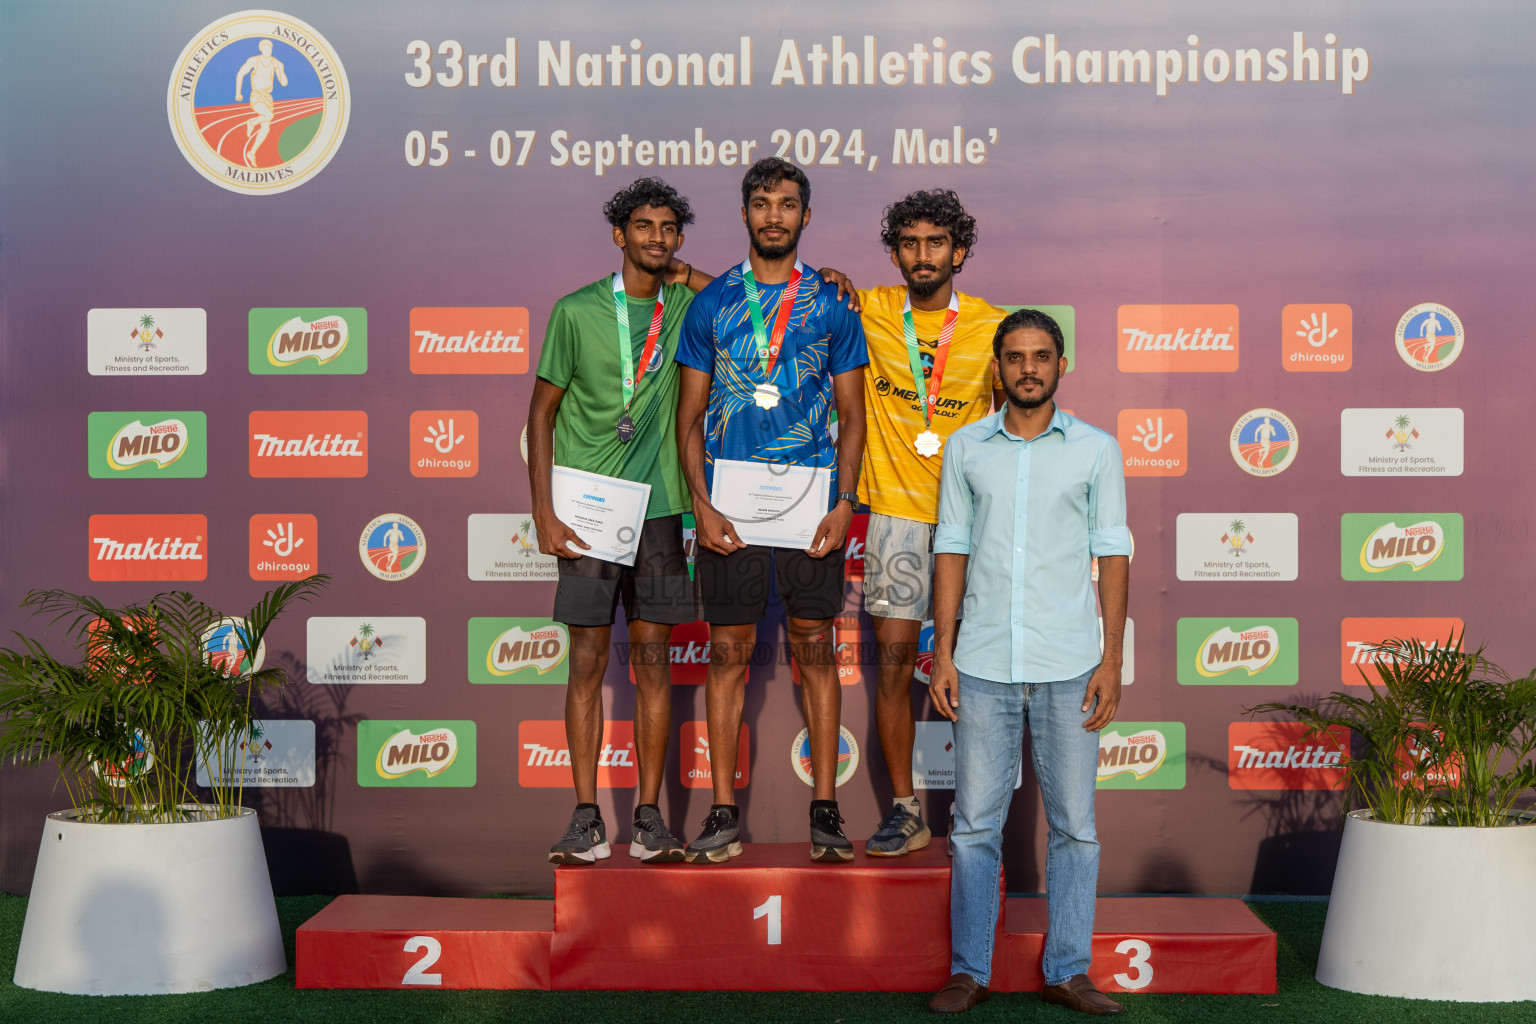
x,y
227,647
1430,337
847,756
1264,442
392,546
258,102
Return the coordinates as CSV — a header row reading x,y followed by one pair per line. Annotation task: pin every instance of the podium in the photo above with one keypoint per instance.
x,y
770,920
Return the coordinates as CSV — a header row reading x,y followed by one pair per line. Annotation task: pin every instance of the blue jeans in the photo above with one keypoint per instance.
x,y
989,741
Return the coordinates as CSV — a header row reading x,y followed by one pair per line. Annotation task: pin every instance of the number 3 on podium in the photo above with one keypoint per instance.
x,y
773,909
1141,962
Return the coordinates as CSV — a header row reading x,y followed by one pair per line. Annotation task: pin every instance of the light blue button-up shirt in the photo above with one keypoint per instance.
x,y
1031,515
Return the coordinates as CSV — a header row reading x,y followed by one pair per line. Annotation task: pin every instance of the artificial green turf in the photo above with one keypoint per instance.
x,y
1301,999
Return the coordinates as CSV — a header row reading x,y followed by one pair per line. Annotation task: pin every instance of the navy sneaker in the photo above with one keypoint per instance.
x,y
899,834
585,840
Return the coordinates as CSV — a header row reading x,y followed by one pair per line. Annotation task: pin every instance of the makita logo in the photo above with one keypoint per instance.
x,y
148,547
545,758
540,756
487,342
469,339
309,443
325,446
1284,755
1317,756
691,653
163,549
1178,340
135,444
1392,545
321,340
1363,653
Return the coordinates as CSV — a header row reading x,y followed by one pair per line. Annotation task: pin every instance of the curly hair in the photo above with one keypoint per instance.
x,y
647,192
768,172
940,207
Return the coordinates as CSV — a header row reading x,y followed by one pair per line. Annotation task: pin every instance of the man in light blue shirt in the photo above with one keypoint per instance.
x,y
1028,498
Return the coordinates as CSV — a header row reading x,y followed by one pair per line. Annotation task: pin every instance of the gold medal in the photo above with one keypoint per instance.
x,y
766,396
927,444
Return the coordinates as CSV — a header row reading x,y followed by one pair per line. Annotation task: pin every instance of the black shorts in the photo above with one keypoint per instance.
x,y
734,587
655,589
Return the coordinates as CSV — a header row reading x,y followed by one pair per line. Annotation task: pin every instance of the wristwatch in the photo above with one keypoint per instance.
x,y
851,497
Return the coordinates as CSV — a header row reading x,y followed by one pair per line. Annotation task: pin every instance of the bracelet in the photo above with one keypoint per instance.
x,y
690,275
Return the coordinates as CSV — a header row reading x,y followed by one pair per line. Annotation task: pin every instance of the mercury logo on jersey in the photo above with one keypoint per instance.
x,y
148,547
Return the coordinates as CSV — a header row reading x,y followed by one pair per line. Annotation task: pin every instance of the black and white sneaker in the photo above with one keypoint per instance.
x,y
585,840
652,843
900,833
827,840
720,840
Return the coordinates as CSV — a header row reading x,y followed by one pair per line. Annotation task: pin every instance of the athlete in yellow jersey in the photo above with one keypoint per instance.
x,y
930,373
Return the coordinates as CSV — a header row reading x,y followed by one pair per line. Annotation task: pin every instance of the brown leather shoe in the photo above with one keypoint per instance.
x,y
959,994
1077,993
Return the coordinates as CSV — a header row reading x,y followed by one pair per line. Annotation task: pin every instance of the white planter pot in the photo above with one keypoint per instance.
x,y
141,909
1432,912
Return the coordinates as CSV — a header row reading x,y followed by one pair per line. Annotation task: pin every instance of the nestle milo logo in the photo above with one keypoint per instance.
x,y
1238,652
320,340
522,650
1141,755
137,444
1401,546
415,753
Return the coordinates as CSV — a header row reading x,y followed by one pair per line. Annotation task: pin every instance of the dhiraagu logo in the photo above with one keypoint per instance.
x,y
1141,755
1238,652
1401,546
329,339
147,444
518,651
415,754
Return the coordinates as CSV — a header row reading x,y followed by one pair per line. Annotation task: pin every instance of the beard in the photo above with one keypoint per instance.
x,y
777,252
924,289
1020,400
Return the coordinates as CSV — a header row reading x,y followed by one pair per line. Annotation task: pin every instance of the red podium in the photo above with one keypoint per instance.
x,y
770,920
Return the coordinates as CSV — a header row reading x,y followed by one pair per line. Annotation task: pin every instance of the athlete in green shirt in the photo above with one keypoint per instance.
x,y
601,409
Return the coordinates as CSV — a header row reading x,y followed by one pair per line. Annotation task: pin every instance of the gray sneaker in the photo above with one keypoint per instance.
x,y
652,843
827,840
719,842
900,833
585,840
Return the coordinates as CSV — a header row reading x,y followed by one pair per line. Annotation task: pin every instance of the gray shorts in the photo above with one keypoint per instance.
x,y
898,568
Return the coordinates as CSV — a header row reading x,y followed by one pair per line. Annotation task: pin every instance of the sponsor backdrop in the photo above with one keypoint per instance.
x,y
274,287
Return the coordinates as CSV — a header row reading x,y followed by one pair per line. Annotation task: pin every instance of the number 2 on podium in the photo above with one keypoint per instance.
x,y
430,949
773,909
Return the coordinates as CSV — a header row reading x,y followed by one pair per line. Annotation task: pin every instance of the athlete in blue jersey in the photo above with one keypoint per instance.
x,y
767,352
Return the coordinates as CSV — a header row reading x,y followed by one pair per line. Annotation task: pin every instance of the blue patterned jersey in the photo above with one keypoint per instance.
x,y
824,338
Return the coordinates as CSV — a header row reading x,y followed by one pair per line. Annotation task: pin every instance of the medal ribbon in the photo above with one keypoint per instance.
x,y
631,379
768,351
914,355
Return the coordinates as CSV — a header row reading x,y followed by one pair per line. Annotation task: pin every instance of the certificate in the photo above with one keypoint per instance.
x,y
769,503
605,512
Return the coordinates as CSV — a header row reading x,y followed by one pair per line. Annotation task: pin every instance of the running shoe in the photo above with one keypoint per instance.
x,y
720,840
900,833
827,840
652,843
585,840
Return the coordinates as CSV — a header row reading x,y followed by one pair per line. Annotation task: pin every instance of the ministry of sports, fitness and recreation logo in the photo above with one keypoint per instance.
x,y
258,102
392,546
847,756
1264,442
1430,337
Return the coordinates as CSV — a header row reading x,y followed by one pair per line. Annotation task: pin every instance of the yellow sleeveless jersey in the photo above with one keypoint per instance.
x,y
896,480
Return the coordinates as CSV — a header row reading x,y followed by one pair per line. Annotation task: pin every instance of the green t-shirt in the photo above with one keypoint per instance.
x,y
581,355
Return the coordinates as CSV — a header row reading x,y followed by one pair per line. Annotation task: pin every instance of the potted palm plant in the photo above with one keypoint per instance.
x,y
146,883
1436,879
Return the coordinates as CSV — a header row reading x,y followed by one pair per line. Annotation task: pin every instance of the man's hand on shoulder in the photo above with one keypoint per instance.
x,y
845,288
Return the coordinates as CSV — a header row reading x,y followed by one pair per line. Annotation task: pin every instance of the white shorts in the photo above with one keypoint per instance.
x,y
898,568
